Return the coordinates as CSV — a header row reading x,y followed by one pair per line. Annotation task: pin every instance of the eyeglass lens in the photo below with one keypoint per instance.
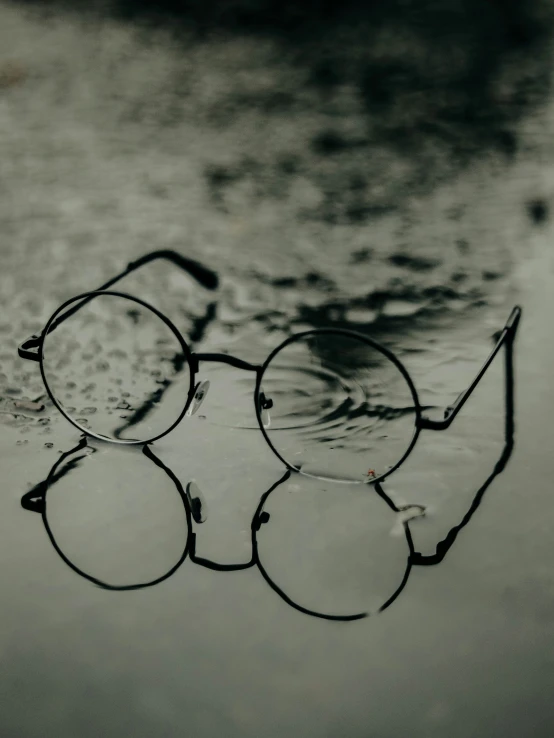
x,y
117,370
334,406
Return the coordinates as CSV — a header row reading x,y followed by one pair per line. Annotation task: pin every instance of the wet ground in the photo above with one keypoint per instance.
x,y
400,187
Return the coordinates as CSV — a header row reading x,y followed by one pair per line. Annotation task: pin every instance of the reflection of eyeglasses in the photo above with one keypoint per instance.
x,y
331,403
64,501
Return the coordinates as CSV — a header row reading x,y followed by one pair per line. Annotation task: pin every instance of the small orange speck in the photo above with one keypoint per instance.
x,y
371,472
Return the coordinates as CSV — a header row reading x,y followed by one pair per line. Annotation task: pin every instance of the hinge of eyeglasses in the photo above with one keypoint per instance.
x,y
24,349
430,424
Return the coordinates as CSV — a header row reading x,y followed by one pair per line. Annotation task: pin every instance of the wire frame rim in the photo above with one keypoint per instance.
x,y
391,356
164,319
81,572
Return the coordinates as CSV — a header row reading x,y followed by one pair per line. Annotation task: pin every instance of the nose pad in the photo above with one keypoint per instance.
x,y
197,502
265,404
200,392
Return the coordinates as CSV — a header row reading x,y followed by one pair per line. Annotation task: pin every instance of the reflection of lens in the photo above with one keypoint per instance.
x,y
115,516
116,369
328,547
340,407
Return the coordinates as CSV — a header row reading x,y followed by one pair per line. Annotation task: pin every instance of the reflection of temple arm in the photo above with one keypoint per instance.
x,y
204,276
506,338
444,546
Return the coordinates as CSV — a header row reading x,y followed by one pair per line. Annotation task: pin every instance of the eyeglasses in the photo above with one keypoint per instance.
x,y
325,562
331,403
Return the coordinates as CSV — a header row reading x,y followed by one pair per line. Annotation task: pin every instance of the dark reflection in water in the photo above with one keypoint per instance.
x,y
288,517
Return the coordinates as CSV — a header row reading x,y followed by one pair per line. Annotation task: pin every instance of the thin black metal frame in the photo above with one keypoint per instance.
x,y
32,349
36,500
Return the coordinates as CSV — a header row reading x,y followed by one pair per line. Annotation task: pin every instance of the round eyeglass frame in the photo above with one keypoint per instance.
x,y
375,345
260,370
90,577
87,296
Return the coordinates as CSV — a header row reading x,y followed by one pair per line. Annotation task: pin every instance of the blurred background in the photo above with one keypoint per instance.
x,y
383,166
352,152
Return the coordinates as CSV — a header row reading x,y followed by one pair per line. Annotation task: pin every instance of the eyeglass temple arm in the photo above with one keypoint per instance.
x,y
444,546
204,276
507,334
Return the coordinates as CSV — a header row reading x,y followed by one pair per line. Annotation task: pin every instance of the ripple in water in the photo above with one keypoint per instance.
x,y
340,408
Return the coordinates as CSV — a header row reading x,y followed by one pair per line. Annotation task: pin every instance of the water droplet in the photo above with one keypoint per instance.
x,y
400,308
360,315
29,405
